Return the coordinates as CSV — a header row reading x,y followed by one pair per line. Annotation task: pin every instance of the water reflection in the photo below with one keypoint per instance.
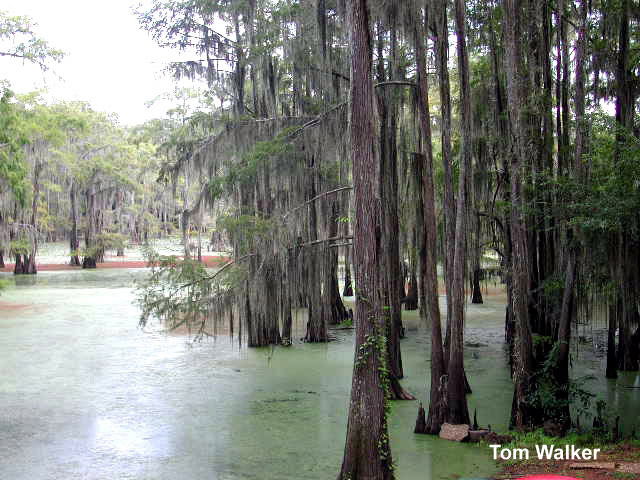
x,y
86,394
108,435
25,280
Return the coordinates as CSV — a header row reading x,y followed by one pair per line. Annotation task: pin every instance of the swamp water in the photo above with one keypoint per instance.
x,y
85,394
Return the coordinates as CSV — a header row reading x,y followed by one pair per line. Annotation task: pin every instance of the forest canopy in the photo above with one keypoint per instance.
x,y
390,151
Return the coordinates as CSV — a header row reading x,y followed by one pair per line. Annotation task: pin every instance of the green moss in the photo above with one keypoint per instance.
x,y
541,340
538,437
347,322
623,475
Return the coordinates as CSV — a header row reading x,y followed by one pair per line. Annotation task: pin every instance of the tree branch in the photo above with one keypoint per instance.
x,y
324,240
324,194
403,83
316,120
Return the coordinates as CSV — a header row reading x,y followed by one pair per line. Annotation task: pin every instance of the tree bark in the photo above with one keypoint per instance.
x,y
456,393
628,258
89,260
287,280
74,244
449,206
367,453
317,320
411,300
521,414
26,263
476,295
184,225
335,310
612,364
390,228
564,338
348,288
438,393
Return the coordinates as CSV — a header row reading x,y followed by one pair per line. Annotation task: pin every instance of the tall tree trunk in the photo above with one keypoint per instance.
x,y
317,321
449,207
581,127
438,394
390,228
546,238
625,101
287,281
566,313
411,300
504,179
239,73
335,310
612,364
563,415
89,260
28,262
521,414
184,226
348,288
74,244
476,295
456,391
199,248
627,359
367,453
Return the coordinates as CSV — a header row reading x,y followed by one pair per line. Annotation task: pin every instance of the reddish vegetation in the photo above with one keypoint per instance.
x,y
208,261
12,307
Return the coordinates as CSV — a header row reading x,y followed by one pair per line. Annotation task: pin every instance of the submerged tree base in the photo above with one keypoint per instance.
x,y
89,262
25,265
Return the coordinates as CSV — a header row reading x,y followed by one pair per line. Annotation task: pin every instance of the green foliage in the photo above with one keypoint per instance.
x,y
376,344
20,247
624,475
347,322
553,288
530,439
102,243
111,241
607,201
592,439
552,398
18,40
181,292
245,230
260,157
13,170
216,188
172,291
541,341
601,424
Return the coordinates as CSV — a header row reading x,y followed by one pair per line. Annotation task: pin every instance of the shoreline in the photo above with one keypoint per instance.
x,y
619,461
209,261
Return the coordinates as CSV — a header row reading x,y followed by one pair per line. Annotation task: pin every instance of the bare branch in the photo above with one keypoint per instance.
x,y
398,83
324,194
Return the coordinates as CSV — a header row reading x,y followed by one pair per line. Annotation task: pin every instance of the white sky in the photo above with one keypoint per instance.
x,y
110,61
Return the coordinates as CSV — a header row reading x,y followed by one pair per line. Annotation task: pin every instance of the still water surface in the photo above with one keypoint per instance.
x,y
86,394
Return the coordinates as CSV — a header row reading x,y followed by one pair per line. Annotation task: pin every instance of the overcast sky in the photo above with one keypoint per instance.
x,y
110,62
